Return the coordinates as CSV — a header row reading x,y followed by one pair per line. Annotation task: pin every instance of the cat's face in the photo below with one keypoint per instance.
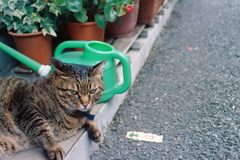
x,y
78,86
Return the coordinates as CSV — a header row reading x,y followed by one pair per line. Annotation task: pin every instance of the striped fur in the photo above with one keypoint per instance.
x,y
46,110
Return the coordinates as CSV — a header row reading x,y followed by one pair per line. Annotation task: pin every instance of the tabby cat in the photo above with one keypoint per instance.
x,y
49,109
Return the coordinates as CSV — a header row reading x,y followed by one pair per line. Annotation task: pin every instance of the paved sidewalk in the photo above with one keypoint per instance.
x,y
188,91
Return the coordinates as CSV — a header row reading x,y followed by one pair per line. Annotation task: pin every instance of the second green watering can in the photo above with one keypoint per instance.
x,y
95,52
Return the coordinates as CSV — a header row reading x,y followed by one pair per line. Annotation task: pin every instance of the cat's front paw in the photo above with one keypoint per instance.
x,y
54,152
95,135
93,131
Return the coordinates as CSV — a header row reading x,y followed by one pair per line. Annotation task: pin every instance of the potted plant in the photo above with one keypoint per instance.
x,y
94,14
32,23
124,26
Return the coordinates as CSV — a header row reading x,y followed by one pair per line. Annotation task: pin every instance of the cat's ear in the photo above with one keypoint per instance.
x,y
99,68
60,67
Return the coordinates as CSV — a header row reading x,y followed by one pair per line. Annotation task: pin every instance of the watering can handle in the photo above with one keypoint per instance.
x,y
68,44
126,72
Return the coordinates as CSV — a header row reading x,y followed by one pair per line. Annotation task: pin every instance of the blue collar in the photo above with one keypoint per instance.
x,y
89,116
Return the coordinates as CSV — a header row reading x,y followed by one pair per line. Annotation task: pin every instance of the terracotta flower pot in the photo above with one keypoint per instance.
x,y
127,25
85,32
147,10
34,45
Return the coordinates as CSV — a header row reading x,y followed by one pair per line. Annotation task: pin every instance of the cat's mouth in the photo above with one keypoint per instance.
x,y
84,108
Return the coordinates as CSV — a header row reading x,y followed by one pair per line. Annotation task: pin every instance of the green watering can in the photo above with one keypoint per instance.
x,y
94,52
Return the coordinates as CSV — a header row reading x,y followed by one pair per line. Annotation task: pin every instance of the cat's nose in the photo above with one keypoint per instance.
x,y
85,104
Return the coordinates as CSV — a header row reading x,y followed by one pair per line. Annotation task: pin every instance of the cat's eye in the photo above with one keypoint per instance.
x,y
93,91
73,92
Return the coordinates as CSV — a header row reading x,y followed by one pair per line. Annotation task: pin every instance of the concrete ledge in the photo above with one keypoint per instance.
x,y
80,146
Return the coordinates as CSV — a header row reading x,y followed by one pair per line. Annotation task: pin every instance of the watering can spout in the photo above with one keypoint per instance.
x,y
42,70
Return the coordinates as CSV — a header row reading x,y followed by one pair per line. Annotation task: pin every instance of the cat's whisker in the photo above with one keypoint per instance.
x,y
69,112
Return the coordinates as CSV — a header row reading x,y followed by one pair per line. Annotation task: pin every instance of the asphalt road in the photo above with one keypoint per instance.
x,y
187,91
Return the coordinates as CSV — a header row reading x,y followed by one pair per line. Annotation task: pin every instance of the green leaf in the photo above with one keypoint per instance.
x,y
20,12
95,2
39,5
58,2
118,20
35,29
49,31
31,28
131,3
101,5
54,9
7,20
100,20
8,12
19,31
2,7
9,27
34,17
26,20
3,1
16,25
124,1
29,9
120,11
21,4
55,21
74,5
47,27
112,2
47,23
12,4
81,16
110,13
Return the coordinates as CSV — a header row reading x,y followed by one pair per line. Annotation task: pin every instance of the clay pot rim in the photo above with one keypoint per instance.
x,y
82,24
25,34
